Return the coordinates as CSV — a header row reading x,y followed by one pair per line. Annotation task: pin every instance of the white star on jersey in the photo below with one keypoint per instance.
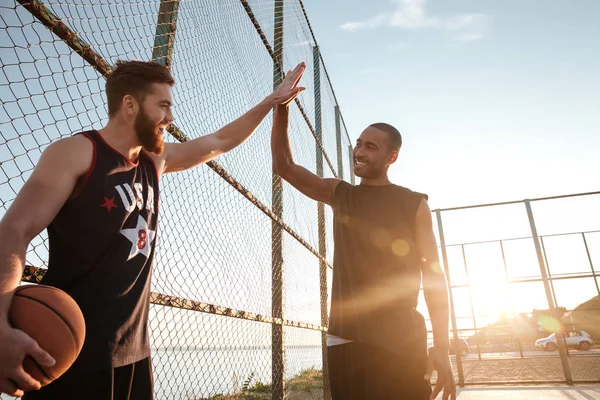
x,y
140,237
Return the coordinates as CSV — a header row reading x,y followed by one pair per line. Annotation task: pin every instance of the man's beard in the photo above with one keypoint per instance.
x,y
148,134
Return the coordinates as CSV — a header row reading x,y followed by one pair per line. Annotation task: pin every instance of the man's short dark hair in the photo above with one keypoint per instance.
x,y
133,78
394,137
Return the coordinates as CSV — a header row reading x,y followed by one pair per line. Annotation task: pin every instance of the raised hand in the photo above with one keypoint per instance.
x,y
288,89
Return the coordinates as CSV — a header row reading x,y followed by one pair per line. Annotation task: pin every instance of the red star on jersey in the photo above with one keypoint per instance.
x,y
109,204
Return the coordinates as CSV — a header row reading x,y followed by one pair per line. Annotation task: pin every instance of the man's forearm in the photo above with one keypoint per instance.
x,y
11,268
236,132
435,291
280,141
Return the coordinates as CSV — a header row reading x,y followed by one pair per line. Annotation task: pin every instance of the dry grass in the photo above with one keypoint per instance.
x,y
306,386
309,385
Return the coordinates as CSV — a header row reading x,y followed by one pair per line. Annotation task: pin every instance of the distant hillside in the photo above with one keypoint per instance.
x,y
586,316
591,304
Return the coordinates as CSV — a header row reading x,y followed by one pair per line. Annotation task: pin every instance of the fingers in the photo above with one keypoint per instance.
x,y
10,388
449,389
439,385
294,93
299,68
300,71
287,90
41,356
25,381
293,76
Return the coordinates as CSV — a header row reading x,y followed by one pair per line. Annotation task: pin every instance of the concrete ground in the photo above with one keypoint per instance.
x,y
546,392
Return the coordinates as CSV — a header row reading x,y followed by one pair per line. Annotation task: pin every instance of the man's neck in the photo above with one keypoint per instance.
x,y
122,138
379,181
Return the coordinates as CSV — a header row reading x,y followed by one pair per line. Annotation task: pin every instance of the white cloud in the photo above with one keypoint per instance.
x,y
370,23
412,14
304,43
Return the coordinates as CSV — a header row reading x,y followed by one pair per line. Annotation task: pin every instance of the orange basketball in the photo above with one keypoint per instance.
x,y
53,319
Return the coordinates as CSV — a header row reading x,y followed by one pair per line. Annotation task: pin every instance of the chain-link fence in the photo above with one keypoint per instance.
x,y
243,266
239,303
525,289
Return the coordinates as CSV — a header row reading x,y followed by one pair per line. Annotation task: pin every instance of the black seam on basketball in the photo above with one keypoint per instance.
x,y
25,287
39,367
55,312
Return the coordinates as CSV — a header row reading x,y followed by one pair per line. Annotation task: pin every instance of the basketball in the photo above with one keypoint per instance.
x,y
53,319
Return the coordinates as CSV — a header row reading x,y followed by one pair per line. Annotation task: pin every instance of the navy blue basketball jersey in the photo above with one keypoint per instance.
x,y
101,246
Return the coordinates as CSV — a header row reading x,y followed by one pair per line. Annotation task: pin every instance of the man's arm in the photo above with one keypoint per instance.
x,y
435,289
309,184
49,187
182,156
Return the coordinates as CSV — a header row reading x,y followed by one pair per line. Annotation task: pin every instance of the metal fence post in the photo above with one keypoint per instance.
x,y
277,333
459,366
338,136
164,39
351,166
321,218
510,296
552,285
549,297
548,271
587,250
462,246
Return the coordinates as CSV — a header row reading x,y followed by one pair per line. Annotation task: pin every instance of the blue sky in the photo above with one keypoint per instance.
x,y
496,100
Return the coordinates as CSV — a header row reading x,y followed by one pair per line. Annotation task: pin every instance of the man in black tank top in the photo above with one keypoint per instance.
x,y
384,243
97,193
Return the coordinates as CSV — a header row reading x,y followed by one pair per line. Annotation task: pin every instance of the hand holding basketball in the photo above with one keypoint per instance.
x,y
15,345
40,341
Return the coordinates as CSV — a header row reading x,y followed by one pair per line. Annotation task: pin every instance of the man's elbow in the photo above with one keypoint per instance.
x,y
15,232
431,267
434,276
281,167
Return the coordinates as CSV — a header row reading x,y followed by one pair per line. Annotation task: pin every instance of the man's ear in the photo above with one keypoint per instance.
x,y
130,105
393,157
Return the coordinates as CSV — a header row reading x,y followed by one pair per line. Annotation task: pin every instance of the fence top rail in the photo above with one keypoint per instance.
x,y
520,238
564,196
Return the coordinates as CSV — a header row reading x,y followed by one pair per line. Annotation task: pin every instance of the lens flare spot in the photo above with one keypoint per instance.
x,y
400,247
381,237
549,323
436,267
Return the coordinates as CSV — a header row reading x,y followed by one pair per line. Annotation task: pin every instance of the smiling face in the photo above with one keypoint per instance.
x,y
154,114
373,154
138,94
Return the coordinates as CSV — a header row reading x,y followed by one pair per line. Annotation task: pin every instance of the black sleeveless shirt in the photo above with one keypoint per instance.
x,y
376,268
101,246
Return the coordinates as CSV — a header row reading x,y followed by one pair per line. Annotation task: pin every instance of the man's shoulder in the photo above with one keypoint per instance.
x,y
409,192
78,139
75,150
